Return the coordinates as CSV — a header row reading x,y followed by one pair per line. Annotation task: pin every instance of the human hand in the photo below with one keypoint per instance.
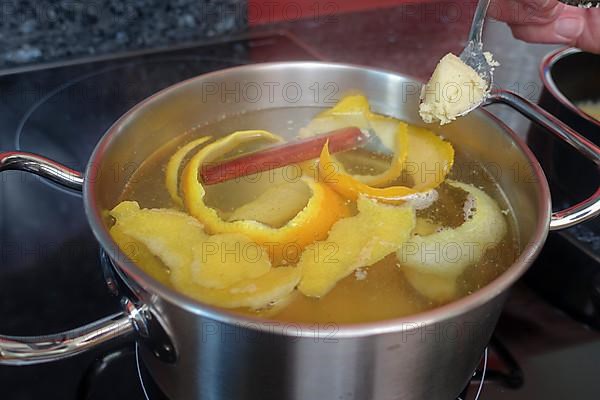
x,y
550,21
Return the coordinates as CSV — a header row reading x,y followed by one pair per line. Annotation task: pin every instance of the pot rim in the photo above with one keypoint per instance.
x,y
545,71
403,324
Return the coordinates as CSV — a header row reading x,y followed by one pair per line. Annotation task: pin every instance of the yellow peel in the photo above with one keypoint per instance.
x,y
351,188
312,223
436,287
449,251
168,234
177,239
420,156
174,165
351,110
137,252
276,206
226,259
397,164
255,293
429,159
376,231
354,110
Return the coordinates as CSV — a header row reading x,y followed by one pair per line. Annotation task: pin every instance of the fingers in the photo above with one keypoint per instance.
x,y
524,11
549,21
573,27
589,40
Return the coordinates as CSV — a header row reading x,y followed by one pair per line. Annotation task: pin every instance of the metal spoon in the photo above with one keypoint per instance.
x,y
473,55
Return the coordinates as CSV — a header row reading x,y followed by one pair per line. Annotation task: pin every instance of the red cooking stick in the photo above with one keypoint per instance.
x,y
281,155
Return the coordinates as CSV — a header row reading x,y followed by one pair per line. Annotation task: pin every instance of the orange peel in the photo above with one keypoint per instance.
x,y
283,244
359,241
226,259
174,165
428,162
256,293
137,252
171,246
448,251
430,158
354,110
276,205
170,235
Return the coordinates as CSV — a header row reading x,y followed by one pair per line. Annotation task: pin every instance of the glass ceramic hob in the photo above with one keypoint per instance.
x,y
50,273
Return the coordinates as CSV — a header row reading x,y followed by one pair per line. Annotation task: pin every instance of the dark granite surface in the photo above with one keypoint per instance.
x,y
33,31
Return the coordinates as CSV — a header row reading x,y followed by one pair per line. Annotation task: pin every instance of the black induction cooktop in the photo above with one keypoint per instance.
x,y
50,274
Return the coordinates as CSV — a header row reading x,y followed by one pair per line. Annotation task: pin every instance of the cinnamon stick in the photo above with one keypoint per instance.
x,y
281,155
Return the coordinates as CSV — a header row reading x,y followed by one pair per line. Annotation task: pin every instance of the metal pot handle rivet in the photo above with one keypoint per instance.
x,y
590,207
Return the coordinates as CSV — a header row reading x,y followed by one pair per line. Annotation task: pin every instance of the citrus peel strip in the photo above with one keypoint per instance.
x,y
429,160
355,110
322,210
355,242
448,251
174,165
180,243
257,293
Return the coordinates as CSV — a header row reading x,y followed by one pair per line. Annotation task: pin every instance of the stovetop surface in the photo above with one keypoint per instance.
x,y
50,275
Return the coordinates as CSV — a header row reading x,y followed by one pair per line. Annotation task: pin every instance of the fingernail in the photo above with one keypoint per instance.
x,y
568,27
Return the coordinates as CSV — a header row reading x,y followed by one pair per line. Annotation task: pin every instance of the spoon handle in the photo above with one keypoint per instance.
x,y
475,35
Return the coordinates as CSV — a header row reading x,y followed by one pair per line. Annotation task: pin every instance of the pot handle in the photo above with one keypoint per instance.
x,y
42,166
590,207
30,350
27,350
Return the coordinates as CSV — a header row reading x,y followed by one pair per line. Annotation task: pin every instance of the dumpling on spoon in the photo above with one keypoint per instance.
x,y
454,89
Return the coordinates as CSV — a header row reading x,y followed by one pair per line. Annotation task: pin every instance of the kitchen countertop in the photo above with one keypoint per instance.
x,y
34,31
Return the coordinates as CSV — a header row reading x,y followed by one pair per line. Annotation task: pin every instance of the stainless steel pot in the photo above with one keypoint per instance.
x,y
569,76
198,352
